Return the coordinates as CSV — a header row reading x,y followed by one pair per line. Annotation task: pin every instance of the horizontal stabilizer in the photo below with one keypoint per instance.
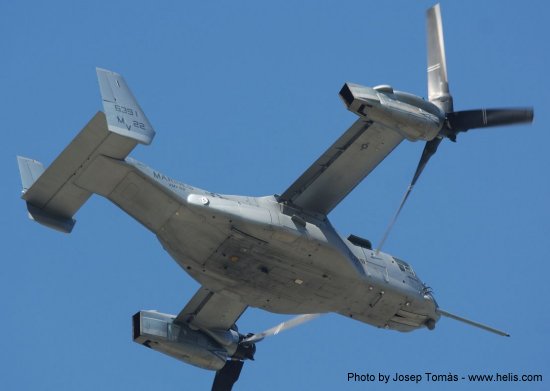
x,y
30,170
50,219
55,194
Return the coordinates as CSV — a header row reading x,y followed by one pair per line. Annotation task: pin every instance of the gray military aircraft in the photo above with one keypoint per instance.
x,y
278,253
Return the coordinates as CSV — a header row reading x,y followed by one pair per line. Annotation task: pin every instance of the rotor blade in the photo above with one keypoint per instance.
x,y
281,327
461,121
227,376
471,323
429,150
438,84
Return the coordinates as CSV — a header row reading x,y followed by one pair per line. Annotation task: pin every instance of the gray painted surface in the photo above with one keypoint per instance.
x,y
277,253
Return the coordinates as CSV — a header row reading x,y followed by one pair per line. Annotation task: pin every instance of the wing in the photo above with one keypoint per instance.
x,y
350,159
211,310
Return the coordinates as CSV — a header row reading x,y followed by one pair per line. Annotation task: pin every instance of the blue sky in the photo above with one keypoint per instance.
x,y
244,96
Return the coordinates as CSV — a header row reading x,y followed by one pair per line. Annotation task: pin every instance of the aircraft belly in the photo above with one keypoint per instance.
x,y
218,252
189,239
272,279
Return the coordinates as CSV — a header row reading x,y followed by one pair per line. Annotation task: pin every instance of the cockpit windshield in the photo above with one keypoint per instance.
x,y
404,266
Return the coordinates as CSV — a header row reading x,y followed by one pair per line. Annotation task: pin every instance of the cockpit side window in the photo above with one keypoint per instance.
x,y
404,266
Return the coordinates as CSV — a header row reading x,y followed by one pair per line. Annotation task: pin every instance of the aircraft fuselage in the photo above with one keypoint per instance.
x,y
284,260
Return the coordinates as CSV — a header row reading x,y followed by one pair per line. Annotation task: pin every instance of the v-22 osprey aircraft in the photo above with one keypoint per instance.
x,y
279,253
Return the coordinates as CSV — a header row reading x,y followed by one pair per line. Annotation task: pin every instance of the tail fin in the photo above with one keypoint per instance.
x,y
124,115
54,195
29,170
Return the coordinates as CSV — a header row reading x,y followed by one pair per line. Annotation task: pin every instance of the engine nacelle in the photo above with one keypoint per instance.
x,y
159,332
411,116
